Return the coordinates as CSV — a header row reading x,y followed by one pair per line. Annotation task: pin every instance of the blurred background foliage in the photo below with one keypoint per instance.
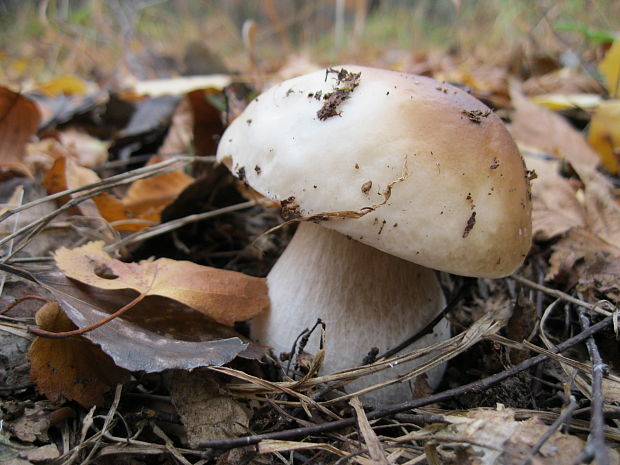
x,y
157,38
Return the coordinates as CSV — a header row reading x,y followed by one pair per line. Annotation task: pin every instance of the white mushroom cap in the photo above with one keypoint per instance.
x,y
459,199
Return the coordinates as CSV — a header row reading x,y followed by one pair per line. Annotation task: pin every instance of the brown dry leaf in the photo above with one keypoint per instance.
x,y
604,134
555,208
67,174
491,437
19,119
225,296
206,411
564,81
73,367
602,209
540,127
586,260
156,335
207,121
33,424
87,150
146,198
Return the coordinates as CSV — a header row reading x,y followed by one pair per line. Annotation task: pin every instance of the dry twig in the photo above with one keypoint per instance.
x,y
476,386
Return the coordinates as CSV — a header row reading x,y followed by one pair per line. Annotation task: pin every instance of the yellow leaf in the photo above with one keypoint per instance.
x,y
604,134
610,68
65,84
558,102
225,296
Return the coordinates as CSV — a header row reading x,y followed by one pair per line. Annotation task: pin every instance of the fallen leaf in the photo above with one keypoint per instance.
x,y
565,82
67,84
146,198
156,335
584,259
490,437
71,367
88,151
604,134
602,209
540,127
179,137
206,412
610,69
225,296
67,174
143,205
33,424
19,119
555,208
42,454
559,102
207,121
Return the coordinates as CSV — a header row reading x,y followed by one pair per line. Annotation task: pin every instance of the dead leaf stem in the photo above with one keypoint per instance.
x,y
16,302
78,332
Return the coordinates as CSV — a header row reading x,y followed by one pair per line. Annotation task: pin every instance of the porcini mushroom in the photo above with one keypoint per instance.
x,y
394,175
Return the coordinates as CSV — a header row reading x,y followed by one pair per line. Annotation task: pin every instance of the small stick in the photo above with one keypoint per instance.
x,y
16,302
596,441
78,332
477,386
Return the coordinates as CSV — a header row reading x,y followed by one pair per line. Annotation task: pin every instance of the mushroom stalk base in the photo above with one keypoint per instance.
x,y
365,297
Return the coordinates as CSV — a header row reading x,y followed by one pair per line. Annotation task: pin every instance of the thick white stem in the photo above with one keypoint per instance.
x,y
367,299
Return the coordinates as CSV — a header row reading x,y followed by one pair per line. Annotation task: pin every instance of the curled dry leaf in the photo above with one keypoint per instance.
x,y
73,368
155,335
225,296
19,119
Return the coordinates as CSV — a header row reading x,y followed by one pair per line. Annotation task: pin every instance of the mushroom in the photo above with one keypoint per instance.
x,y
392,176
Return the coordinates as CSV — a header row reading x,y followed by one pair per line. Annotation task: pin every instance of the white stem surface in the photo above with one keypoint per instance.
x,y
367,299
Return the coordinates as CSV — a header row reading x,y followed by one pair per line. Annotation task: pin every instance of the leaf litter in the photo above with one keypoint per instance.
x,y
179,314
